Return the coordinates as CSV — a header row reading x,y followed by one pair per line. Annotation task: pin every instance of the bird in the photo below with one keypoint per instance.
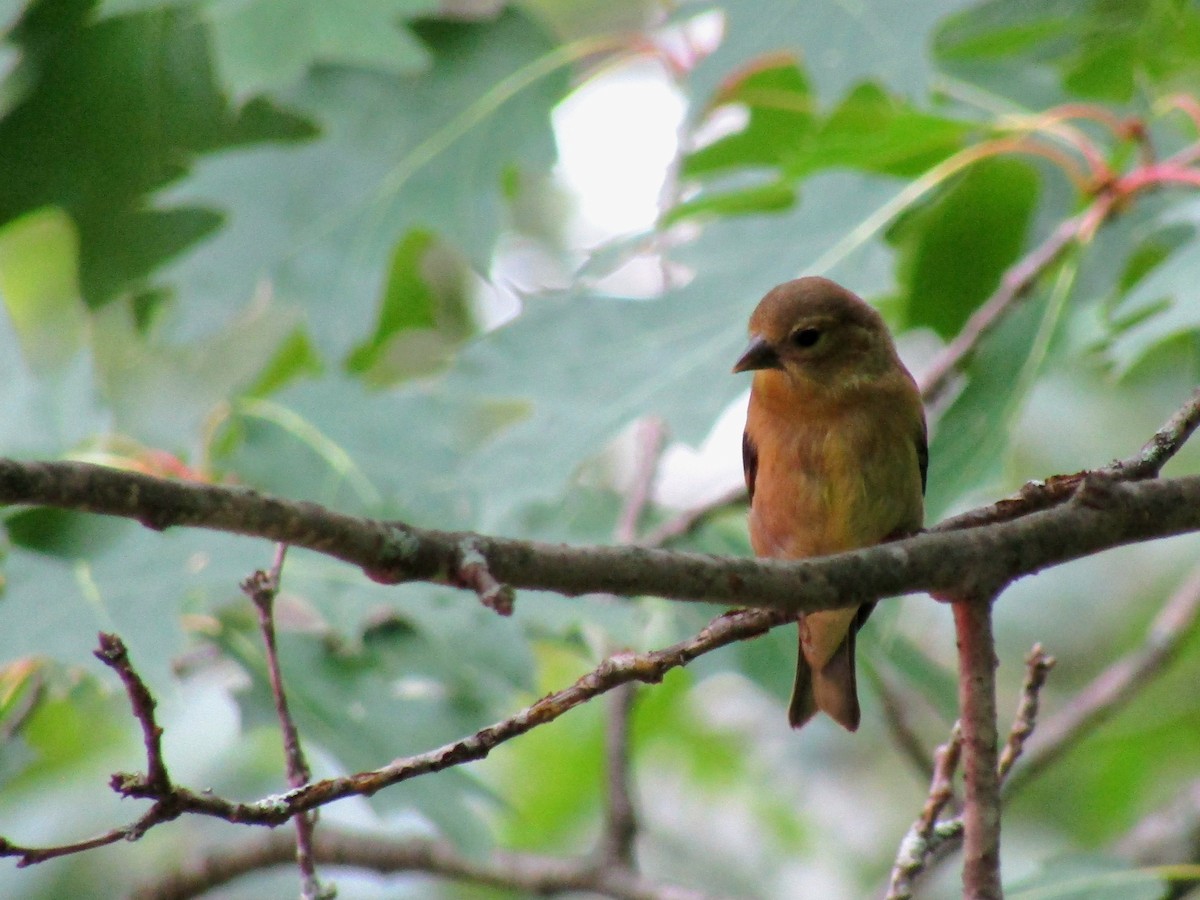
x,y
835,453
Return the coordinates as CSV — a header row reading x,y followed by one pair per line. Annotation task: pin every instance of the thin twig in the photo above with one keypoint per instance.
x,y
114,654
525,873
1038,495
1016,282
650,436
1155,453
685,522
926,834
981,786
155,784
472,571
1095,704
621,824
1115,686
262,588
616,670
1037,668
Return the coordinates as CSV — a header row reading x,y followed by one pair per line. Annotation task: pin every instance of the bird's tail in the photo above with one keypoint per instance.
x,y
832,689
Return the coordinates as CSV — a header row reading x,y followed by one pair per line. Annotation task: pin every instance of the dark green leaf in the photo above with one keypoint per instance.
x,y
983,216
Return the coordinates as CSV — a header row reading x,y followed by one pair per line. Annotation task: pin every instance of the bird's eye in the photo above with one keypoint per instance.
x,y
806,337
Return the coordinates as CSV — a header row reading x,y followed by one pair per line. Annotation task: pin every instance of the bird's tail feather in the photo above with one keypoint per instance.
x,y
832,689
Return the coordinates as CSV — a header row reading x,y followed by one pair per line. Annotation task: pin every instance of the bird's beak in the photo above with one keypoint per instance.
x,y
758,355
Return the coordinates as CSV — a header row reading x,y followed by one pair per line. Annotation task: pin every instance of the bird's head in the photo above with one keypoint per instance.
x,y
818,335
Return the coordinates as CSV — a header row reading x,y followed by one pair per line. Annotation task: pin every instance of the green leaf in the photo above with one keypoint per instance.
x,y
764,198
984,216
1159,306
164,392
265,45
147,78
122,578
423,315
69,726
870,130
971,439
61,533
840,44
41,414
39,265
1079,877
319,223
782,115
295,358
1045,53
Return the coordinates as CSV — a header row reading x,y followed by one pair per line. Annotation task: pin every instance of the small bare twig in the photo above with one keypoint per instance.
x,y
977,702
155,784
1039,495
620,826
115,655
689,519
1095,704
1116,685
474,573
1167,441
262,588
930,842
615,849
1014,285
1037,668
619,669
650,436
926,834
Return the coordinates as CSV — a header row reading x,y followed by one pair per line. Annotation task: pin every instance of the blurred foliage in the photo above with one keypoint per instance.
x,y
265,243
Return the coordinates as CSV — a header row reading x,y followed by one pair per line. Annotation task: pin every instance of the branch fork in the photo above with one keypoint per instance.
x,y
474,573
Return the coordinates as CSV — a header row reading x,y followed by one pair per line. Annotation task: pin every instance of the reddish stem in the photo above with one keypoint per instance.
x,y
977,701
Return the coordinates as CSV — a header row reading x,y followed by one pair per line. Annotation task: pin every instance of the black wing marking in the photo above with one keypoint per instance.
x,y
749,462
923,453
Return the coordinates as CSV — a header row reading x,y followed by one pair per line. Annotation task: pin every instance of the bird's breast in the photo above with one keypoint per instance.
x,y
830,480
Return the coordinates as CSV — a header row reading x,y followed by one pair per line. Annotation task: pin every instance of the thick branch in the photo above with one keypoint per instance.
x,y
1104,513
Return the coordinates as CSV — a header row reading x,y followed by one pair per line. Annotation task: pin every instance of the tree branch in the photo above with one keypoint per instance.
x,y
620,826
926,834
1016,282
529,874
262,588
977,703
1037,668
1103,513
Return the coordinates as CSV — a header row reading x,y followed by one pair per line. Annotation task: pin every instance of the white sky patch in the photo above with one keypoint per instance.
x,y
617,137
